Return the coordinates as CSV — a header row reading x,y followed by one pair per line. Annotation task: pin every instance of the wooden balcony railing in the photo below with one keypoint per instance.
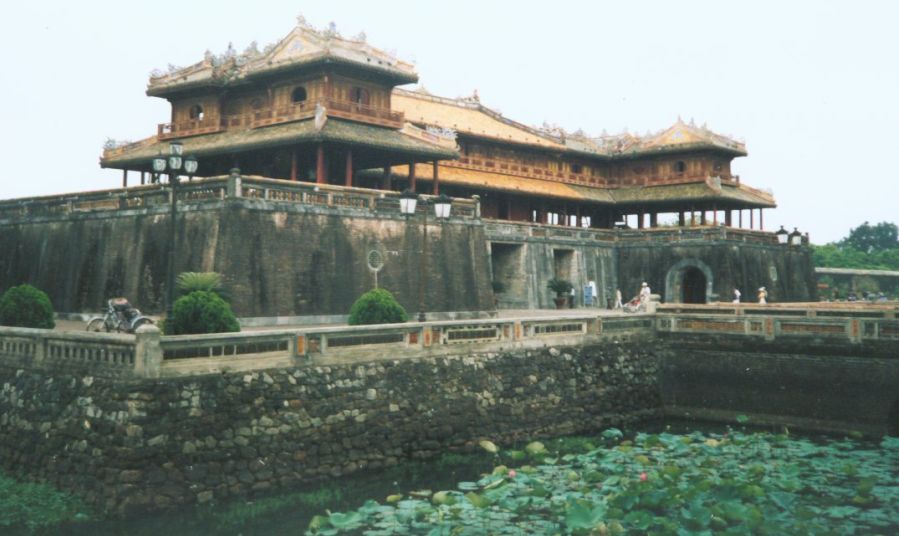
x,y
183,129
538,171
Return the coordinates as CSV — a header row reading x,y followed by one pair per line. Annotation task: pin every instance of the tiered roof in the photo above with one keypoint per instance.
x,y
304,46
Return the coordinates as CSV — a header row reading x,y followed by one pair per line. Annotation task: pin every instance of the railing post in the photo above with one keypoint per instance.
x,y
234,183
147,352
40,349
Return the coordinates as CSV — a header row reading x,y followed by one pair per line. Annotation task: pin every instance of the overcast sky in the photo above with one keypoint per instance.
x,y
812,87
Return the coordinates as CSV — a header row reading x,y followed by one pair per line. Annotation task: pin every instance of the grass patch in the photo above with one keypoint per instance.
x,y
32,506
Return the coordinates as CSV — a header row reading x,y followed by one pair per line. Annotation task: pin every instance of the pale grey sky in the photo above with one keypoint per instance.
x,y
811,86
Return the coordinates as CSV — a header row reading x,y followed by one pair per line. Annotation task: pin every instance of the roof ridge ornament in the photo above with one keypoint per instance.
x,y
302,22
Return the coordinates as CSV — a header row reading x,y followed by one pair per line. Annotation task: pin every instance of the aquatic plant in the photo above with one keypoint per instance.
x,y
735,483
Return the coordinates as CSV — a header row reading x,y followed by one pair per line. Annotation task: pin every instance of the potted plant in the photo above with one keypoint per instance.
x,y
561,287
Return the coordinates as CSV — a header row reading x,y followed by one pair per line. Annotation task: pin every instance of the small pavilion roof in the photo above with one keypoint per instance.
x,y
138,155
303,46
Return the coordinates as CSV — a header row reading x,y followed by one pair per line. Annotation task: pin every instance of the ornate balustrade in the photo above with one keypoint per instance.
x,y
148,354
217,189
521,231
782,324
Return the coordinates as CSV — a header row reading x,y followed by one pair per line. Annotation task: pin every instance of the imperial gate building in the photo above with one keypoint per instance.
x,y
303,149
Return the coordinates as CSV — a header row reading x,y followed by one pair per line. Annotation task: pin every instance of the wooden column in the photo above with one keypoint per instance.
x,y
681,218
741,218
761,219
293,164
692,217
348,179
654,219
715,216
728,218
641,219
437,186
387,179
752,218
143,178
124,178
321,176
412,176
702,218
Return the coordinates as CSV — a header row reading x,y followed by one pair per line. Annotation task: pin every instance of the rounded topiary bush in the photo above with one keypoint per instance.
x,y
27,307
201,312
377,306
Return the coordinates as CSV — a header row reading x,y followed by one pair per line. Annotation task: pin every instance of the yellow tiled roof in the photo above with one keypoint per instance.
x,y
700,191
469,116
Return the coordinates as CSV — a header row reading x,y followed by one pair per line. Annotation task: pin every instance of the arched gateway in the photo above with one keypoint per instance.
x,y
688,281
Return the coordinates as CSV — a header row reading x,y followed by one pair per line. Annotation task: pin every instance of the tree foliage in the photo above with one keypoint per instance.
x,y
873,238
377,306
868,247
201,312
27,307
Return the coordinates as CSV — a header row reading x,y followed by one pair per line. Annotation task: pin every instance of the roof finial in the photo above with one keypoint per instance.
x,y
475,97
692,124
679,120
332,30
301,21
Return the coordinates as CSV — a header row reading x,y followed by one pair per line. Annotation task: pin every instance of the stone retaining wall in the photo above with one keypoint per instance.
x,y
131,445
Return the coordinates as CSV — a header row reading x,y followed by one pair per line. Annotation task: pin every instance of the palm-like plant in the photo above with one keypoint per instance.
x,y
188,282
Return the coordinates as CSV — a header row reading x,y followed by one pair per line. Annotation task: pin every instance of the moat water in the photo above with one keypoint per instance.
x,y
291,512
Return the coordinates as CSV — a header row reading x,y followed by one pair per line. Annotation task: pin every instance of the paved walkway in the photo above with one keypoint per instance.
x,y
77,325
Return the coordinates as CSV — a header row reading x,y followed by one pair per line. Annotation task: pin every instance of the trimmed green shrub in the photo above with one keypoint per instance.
x,y
377,306
201,312
26,307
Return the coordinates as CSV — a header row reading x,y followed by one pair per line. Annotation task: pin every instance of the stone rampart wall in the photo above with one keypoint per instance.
x,y
143,444
278,259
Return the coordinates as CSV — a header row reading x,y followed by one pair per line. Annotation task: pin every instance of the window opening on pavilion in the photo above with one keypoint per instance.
x,y
196,112
586,221
680,166
577,168
298,95
360,95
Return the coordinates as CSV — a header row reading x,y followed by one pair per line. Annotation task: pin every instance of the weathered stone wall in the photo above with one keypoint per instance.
x,y
786,272
277,259
153,444
815,383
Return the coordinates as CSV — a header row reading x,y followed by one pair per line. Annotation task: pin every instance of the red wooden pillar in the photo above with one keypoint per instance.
x,y
321,176
728,218
124,178
715,215
702,218
752,218
437,185
681,218
293,164
641,219
692,217
761,219
653,219
349,167
412,176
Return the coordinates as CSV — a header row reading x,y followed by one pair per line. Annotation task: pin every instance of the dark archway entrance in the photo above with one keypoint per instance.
x,y
694,286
